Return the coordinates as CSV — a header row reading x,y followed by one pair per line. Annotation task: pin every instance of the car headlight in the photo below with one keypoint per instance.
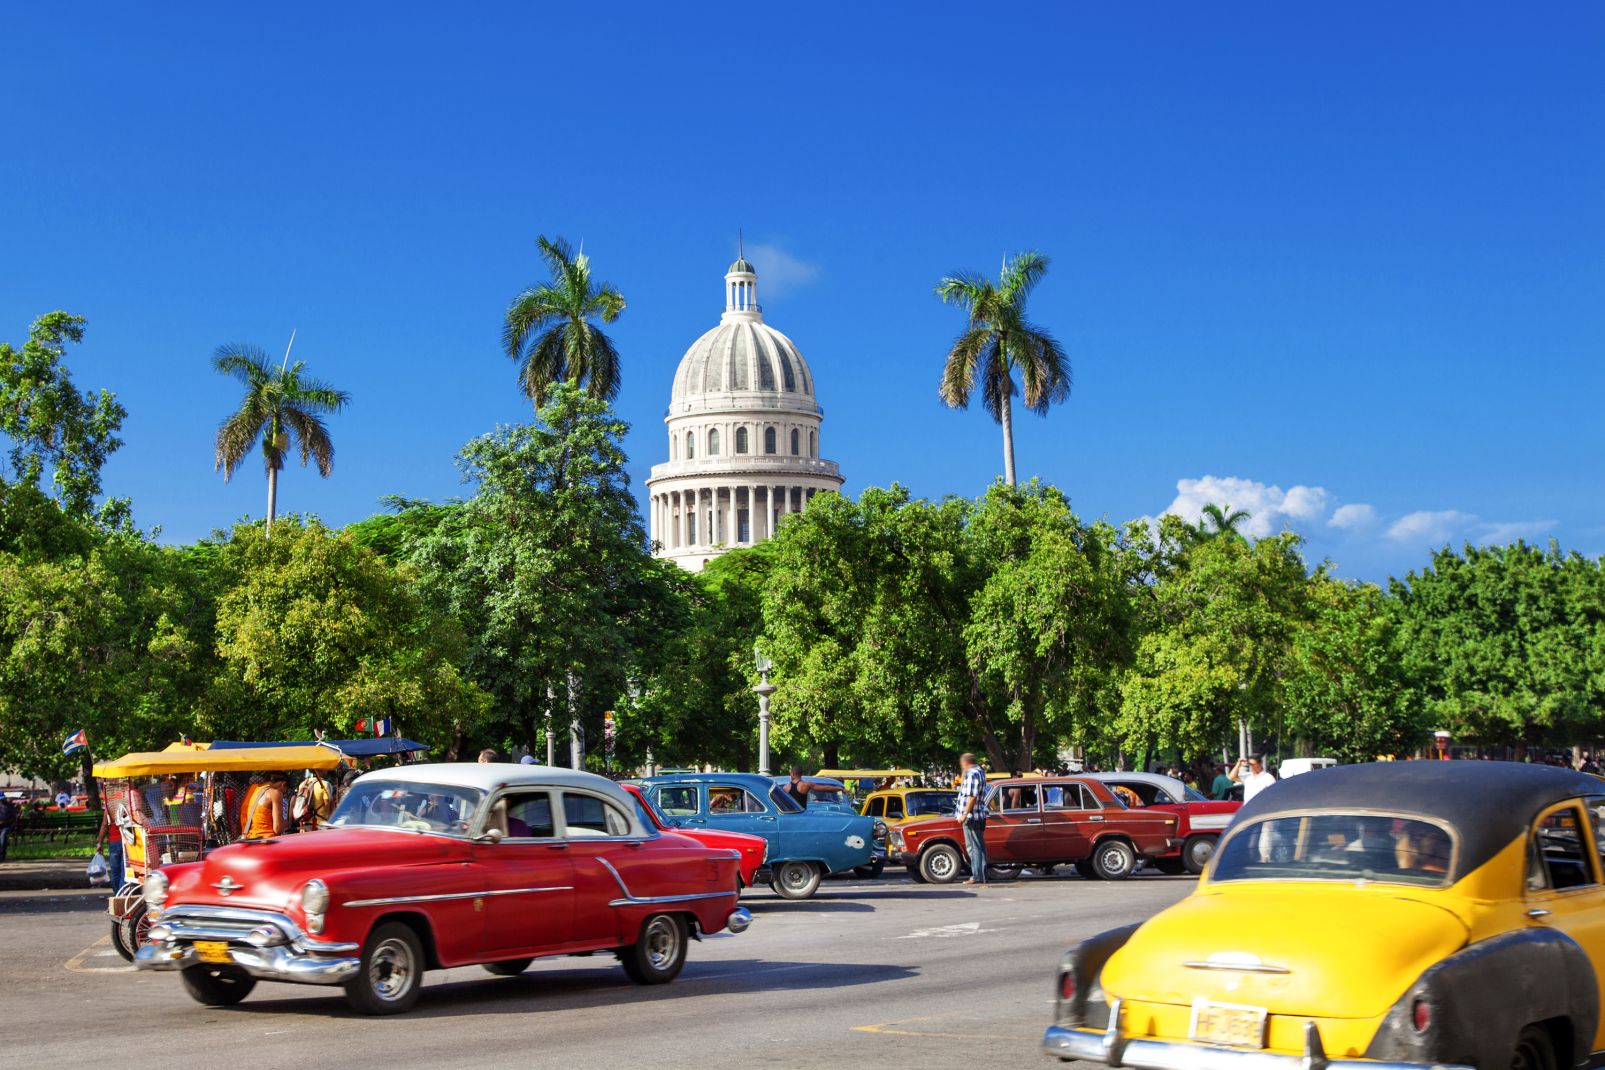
x,y
155,894
880,829
315,904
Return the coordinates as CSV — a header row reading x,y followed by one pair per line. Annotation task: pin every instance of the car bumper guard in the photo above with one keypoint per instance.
x,y
265,945
1113,1048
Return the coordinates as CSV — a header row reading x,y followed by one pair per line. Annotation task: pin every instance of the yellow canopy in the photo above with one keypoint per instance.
x,y
245,759
188,748
866,774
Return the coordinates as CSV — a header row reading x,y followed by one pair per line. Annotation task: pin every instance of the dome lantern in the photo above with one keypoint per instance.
x,y
741,287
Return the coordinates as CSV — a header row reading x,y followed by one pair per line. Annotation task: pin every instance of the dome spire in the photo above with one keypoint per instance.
x,y
741,285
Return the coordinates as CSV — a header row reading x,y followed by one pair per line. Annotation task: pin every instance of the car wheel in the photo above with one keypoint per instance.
x,y
872,871
1086,870
796,880
510,968
118,942
1534,1050
941,864
1114,860
656,958
217,986
915,875
392,971
1197,852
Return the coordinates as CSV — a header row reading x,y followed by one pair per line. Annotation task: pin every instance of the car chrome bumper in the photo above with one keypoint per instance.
x,y
1112,1048
739,920
264,944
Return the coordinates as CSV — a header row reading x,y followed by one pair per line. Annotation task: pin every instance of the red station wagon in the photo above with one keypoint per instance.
x,y
1042,823
430,866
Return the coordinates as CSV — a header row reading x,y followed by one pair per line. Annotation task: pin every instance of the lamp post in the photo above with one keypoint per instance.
x,y
763,689
551,733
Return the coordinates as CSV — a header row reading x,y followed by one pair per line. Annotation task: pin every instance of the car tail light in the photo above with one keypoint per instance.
x,y
1067,986
1421,1015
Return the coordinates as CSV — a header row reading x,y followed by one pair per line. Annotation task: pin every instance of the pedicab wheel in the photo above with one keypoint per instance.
x,y
871,871
656,958
796,880
1114,860
132,929
941,864
1534,1050
915,875
217,986
118,942
510,968
391,973
1197,852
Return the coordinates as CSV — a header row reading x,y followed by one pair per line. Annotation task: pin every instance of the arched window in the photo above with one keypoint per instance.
x,y
769,440
741,440
713,442
795,439
690,445
813,446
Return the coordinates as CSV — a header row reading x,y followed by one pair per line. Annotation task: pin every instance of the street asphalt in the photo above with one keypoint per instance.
x,y
868,973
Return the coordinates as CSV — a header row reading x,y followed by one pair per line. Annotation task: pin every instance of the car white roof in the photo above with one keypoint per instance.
x,y
489,776
1169,783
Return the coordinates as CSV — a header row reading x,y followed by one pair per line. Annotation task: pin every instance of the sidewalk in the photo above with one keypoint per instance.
x,y
64,876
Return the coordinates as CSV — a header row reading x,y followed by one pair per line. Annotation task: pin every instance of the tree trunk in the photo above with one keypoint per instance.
x,y
273,497
1006,418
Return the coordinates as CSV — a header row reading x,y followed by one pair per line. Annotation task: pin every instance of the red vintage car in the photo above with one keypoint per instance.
x,y
1042,823
753,850
429,866
1200,820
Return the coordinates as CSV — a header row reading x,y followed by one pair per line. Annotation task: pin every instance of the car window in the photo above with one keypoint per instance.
x,y
408,805
921,803
1194,795
1014,797
894,805
726,799
1564,845
876,807
1338,847
782,801
529,815
587,815
1066,797
678,801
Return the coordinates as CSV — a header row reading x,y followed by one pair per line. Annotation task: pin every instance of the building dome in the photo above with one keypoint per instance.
x,y
743,436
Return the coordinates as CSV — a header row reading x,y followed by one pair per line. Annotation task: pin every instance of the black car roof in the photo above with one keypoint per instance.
x,y
1488,804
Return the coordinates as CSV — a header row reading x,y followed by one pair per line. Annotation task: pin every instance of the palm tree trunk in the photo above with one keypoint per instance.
x,y
273,497
1006,418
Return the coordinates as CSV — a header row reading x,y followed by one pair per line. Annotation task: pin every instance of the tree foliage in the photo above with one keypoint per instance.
x,y
548,331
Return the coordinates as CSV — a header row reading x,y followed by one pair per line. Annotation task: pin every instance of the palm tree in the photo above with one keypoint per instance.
x,y
281,406
549,333
1216,521
998,341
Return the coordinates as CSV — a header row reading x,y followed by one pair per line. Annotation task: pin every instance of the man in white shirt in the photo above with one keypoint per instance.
x,y
1250,772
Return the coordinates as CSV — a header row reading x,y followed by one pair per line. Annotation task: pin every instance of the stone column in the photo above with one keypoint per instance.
x,y
729,524
758,522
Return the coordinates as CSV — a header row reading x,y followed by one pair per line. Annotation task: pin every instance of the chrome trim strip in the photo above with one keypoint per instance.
x,y
631,899
1238,967
185,914
399,899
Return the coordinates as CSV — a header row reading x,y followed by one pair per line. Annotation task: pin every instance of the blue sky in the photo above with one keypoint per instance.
x,y
1343,267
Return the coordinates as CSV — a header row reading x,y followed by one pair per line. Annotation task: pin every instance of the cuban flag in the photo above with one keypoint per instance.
x,y
382,725
75,743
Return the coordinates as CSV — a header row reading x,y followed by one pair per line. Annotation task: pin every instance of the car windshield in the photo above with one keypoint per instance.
x,y
1194,795
649,815
1338,847
826,797
922,803
406,805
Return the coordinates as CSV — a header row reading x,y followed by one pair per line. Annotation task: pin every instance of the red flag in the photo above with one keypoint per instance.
x,y
362,724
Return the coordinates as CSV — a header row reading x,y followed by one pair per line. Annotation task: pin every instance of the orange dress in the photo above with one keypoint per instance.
x,y
260,824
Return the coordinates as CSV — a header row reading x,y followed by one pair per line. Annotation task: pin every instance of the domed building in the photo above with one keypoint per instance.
x,y
743,435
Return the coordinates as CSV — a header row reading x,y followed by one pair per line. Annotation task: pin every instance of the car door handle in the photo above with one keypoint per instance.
x,y
1537,912
1095,817
766,818
558,845
1033,821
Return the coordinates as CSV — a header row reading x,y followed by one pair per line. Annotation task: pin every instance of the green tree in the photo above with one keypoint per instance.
x,y
315,632
548,330
1217,521
1506,644
281,406
999,340
53,426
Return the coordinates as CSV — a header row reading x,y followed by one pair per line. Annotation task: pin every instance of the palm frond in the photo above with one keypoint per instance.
x,y
236,436
1021,275
530,311
603,370
1044,368
962,366
608,303
312,436
544,365
966,289
557,253
996,375
246,363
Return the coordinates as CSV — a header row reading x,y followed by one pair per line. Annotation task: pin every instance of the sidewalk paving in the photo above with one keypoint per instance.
x,y
62,875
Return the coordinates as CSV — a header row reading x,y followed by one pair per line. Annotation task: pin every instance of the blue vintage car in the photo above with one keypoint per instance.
x,y
827,794
804,845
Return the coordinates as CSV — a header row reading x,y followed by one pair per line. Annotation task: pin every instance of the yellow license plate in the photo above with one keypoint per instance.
x,y
1228,1023
212,950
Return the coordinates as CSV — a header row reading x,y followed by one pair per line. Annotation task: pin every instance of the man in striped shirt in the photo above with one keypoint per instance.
x,y
972,815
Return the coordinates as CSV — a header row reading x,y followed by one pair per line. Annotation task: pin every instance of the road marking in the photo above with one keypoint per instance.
x,y
99,949
890,1029
942,932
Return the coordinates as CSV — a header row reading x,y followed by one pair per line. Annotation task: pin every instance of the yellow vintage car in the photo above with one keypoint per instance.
x,y
897,805
1405,914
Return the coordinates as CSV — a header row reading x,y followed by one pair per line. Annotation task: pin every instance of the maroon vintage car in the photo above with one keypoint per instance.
x,y
430,866
1042,823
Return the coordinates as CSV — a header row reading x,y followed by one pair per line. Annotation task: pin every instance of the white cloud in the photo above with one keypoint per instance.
x,y
1511,530
1353,517
779,273
1270,508
1427,526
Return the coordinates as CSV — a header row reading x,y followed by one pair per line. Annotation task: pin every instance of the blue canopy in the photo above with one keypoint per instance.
x,y
353,748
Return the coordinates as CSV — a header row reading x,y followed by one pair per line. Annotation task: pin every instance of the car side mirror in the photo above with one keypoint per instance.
x,y
490,836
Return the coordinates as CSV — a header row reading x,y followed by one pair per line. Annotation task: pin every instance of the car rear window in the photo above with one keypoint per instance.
x,y
1387,848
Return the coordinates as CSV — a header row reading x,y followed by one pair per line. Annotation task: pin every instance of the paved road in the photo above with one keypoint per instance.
x,y
869,973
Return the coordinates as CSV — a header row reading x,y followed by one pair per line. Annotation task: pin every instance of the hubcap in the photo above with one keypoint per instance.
x,y
795,877
941,864
391,970
1204,851
1114,860
661,939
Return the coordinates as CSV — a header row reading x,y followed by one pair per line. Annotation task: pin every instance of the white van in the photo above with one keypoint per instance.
x,y
1295,766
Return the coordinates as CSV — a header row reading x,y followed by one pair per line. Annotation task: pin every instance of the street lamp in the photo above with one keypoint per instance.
x,y
551,732
763,689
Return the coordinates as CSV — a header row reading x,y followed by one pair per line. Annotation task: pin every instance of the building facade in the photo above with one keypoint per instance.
x,y
743,428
